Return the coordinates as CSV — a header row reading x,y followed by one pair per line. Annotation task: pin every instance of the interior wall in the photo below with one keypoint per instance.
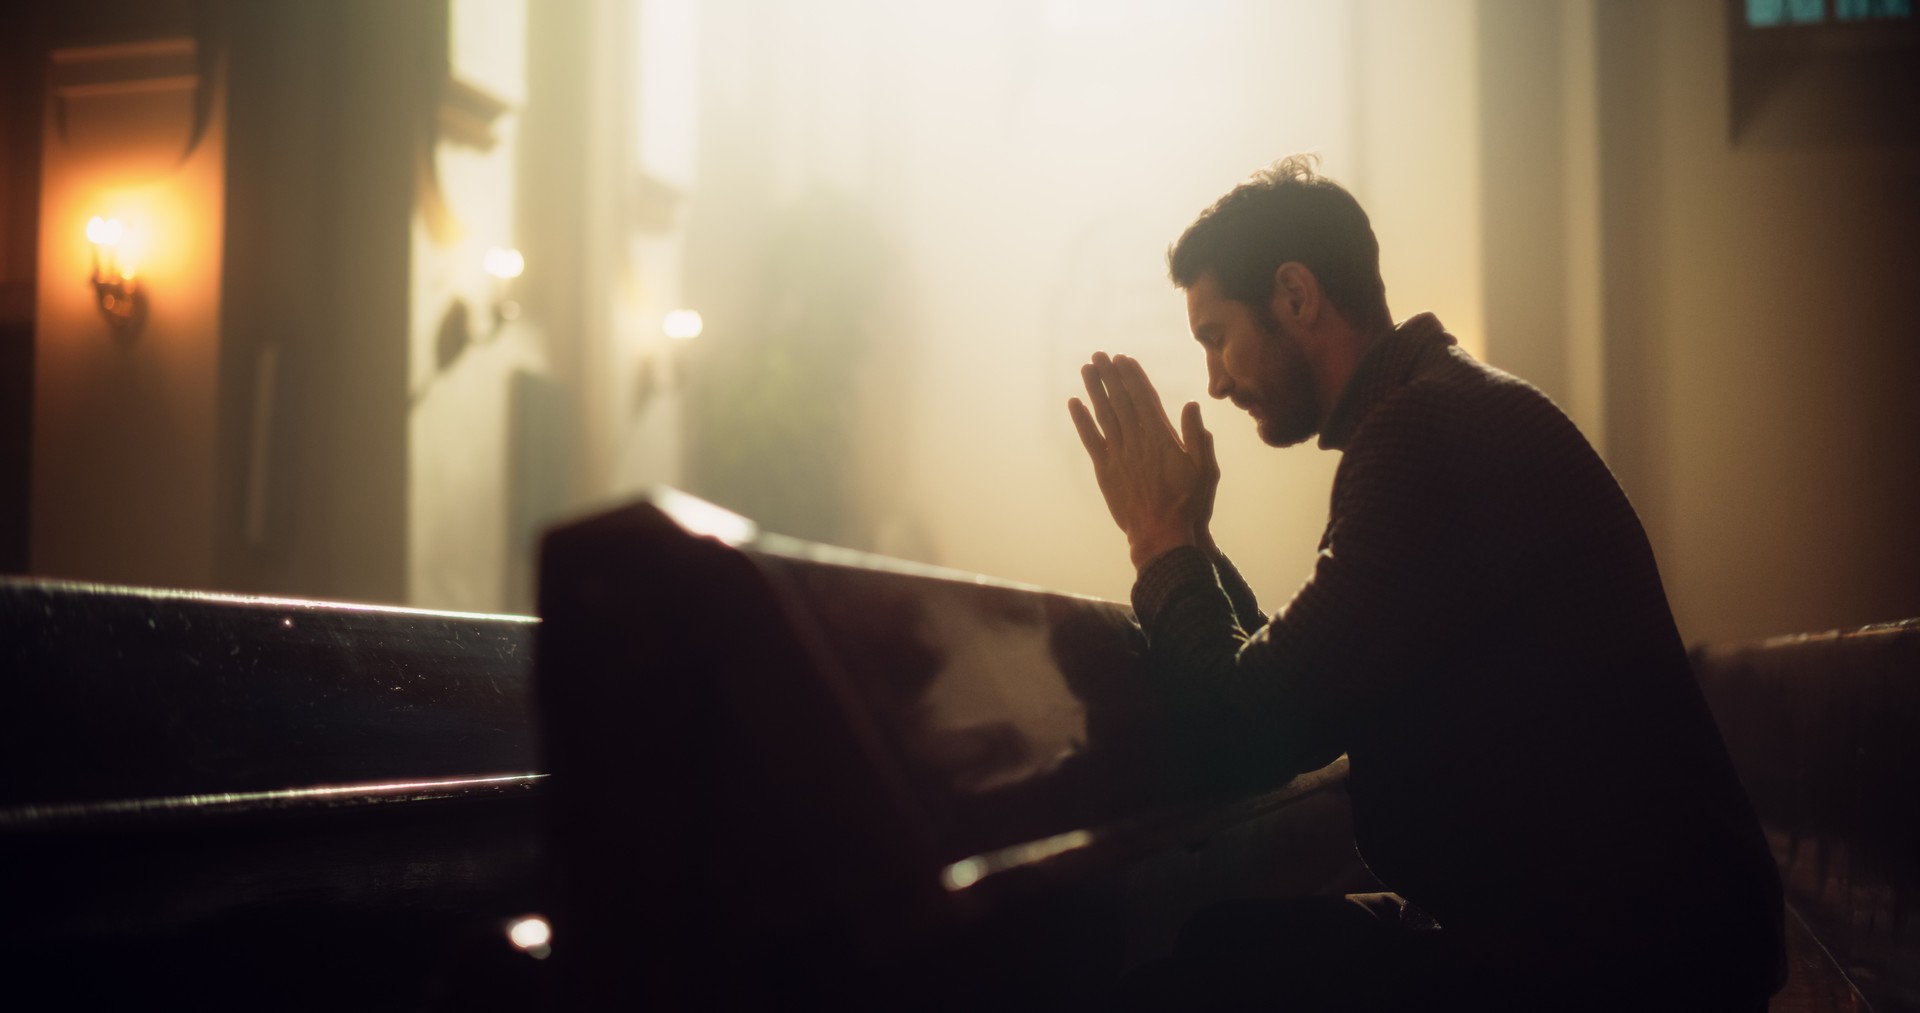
x,y
1761,353
568,171
466,359
124,465
1417,158
1539,222
24,40
328,103
658,163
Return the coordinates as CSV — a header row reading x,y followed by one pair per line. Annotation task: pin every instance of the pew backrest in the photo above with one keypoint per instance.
x,y
124,694
204,796
1825,731
764,745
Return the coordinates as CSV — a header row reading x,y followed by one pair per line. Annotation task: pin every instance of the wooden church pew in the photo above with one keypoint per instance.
x,y
220,802
1825,731
778,770
770,769
789,774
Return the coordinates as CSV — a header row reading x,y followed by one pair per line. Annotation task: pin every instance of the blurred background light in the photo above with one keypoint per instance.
x,y
682,325
531,934
504,263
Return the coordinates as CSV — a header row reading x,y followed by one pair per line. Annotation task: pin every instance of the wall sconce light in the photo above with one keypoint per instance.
x,y
504,266
121,300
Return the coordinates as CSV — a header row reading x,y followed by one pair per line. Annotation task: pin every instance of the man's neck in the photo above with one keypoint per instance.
x,y
1340,357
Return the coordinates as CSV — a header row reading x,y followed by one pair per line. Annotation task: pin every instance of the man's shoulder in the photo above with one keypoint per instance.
x,y
1456,393
1458,409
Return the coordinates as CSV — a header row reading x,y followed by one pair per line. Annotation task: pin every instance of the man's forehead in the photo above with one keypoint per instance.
x,y
1205,304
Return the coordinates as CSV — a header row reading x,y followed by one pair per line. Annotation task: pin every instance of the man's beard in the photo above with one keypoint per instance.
x,y
1290,410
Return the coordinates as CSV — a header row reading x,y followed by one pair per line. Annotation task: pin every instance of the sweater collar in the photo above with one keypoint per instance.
x,y
1390,363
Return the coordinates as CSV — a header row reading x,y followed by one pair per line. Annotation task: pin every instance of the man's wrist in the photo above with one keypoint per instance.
x,y
1166,577
1149,546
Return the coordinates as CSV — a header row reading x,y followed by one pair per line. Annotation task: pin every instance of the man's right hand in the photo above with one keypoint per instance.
x,y
1199,442
1159,485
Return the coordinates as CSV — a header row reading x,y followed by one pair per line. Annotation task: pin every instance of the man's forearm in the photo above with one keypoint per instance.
x,y
1225,687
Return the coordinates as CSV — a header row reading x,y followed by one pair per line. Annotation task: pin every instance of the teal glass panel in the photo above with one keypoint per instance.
x,y
1863,10
1766,13
1806,12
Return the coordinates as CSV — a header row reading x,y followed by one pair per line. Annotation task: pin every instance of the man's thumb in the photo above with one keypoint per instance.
x,y
1192,433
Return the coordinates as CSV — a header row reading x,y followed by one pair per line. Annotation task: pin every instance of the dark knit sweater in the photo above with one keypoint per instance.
x,y
1486,637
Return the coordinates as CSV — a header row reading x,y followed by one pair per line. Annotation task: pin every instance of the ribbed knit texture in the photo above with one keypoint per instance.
x,y
1486,636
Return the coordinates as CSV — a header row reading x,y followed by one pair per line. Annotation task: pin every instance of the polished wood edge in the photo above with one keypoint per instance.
x,y
1722,651
800,550
1185,825
699,518
16,585
174,808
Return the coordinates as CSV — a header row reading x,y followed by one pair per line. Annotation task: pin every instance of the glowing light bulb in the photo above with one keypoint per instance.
x,y
105,231
682,325
504,263
532,934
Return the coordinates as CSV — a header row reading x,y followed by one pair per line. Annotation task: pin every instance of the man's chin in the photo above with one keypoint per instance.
x,y
1274,435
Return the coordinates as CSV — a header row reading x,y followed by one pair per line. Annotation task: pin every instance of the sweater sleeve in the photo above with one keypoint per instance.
x,y
1395,577
1246,607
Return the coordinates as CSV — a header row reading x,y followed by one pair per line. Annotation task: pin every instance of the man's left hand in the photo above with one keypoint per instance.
x,y
1159,485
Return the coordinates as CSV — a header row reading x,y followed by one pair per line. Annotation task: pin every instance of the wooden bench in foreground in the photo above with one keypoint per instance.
x,y
785,772
770,770
1825,731
212,801
748,771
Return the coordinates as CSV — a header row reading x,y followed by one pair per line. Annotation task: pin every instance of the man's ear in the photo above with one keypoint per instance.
x,y
1296,294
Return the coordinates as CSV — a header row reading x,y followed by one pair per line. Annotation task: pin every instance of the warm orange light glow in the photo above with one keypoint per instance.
x,y
105,231
113,274
148,232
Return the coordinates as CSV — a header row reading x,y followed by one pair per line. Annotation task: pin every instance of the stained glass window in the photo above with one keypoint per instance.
x,y
1807,72
1863,10
1776,13
1768,13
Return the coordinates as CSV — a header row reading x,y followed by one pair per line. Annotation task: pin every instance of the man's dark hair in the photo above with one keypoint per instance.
x,y
1286,212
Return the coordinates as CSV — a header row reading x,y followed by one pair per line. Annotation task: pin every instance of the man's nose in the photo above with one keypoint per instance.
x,y
1218,387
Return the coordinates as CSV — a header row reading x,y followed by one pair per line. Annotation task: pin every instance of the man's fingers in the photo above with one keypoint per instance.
x,y
1148,411
1097,397
1089,432
1199,441
1124,401
1126,413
